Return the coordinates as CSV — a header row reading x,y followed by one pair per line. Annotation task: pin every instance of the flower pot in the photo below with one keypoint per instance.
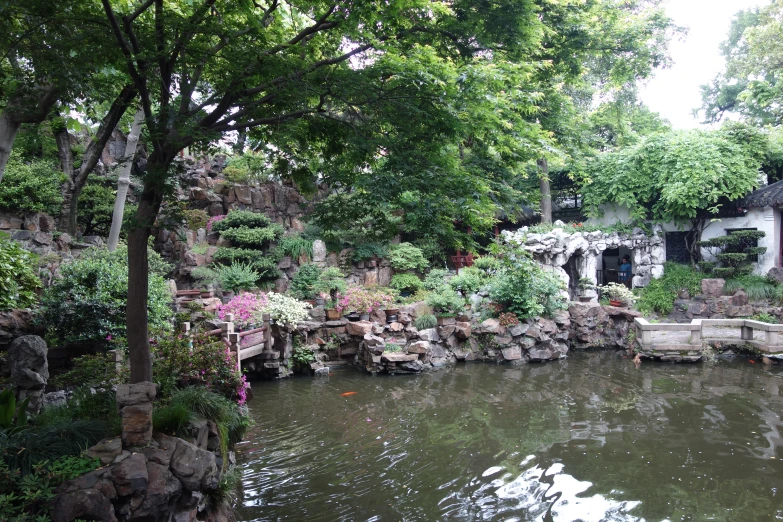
x,y
392,311
311,301
365,317
585,299
332,314
445,321
391,318
614,302
319,301
227,296
206,294
352,317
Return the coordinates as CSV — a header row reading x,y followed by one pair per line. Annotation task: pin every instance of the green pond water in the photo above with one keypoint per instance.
x,y
588,438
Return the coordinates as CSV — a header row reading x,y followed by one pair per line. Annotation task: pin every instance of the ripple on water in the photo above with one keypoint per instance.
x,y
591,438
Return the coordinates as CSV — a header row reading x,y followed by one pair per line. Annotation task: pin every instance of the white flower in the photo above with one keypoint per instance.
x,y
285,310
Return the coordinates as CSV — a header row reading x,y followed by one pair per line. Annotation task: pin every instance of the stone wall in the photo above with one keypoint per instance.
x,y
378,346
554,250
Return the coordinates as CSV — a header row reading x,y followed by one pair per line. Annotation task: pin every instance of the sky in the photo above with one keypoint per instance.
x,y
674,92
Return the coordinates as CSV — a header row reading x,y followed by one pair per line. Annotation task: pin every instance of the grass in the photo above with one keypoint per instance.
x,y
757,287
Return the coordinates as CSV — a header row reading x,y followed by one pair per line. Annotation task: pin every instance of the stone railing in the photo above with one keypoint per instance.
x,y
691,336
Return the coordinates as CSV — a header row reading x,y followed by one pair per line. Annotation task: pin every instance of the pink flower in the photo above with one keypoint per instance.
x,y
108,337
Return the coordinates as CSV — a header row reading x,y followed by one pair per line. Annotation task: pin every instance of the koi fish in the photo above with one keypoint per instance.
x,y
752,361
348,394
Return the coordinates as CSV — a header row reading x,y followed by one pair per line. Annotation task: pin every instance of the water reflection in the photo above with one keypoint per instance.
x,y
589,438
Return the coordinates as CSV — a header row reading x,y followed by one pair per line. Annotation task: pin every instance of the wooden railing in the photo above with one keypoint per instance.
x,y
698,328
233,340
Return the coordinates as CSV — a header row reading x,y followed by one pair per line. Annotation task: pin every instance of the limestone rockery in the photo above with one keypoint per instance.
x,y
399,347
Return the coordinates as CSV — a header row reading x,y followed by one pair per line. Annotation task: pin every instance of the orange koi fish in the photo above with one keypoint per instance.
x,y
348,394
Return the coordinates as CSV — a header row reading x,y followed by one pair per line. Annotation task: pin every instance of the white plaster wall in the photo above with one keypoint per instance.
x,y
615,213
766,219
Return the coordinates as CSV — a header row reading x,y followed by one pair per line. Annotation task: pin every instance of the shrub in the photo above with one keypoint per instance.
x,y
765,318
523,287
295,246
196,218
445,301
205,276
617,292
86,304
285,310
367,251
435,279
207,362
736,252
264,264
757,287
487,264
331,281
31,187
205,404
425,322
245,307
18,281
303,284
247,168
406,257
237,277
406,282
364,300
88,370
214,219
659,295
29,496
96,207
468,281
240,218
252,237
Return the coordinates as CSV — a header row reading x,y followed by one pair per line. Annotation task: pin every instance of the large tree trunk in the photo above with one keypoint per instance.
x,y
546,194
138,270
15,114
124,180
78,179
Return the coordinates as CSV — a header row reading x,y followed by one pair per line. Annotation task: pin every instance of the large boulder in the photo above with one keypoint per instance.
x,y
358,328
712,287
29,369
775,275
547,351
194,467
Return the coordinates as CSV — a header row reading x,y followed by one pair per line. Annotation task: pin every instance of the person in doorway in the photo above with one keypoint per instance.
x,y
625,271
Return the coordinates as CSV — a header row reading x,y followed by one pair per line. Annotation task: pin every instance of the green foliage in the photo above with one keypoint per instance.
x,y
31,187
331,281
246,169
468,281
736,252
524,287
228,492
196,218
18,282
659,295
251,237
406,257
295,246
86,304
757,287
487,264
264,264
673,177
8,410
445,301
96,207
88,370
367,251
435,279
205,276
765,318
27,497
241,219
303,284
406,282
302,356
237,277
170,419
424,322
207,362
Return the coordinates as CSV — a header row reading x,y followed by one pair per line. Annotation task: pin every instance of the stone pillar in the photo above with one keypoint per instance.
x,y
134,402
29,369
586,267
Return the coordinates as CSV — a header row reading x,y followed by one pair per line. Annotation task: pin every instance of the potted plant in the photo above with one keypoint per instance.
x,y
584,285
446,303
618,294
331,281
332,310
364,300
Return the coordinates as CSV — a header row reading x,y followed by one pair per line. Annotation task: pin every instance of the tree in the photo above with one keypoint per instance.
x,y
123,182
206,68
751,85
49,56
684,177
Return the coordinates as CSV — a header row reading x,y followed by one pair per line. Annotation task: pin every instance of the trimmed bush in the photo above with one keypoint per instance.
x,y
86,304
18,282
303,284
31,187
406,257
406,282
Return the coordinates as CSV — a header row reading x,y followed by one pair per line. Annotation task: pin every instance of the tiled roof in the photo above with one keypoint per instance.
x,y
771,195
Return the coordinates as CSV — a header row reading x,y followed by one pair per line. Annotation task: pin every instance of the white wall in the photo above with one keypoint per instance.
x,y
766,219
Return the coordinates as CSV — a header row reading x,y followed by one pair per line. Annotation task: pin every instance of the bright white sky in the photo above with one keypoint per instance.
x,y
674,92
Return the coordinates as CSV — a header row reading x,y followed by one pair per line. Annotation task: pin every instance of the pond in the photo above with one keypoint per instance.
x,y
588,438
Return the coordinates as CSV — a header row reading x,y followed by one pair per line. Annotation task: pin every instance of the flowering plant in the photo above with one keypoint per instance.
x,y
245,308
284,310
364,300
618,292
214,219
